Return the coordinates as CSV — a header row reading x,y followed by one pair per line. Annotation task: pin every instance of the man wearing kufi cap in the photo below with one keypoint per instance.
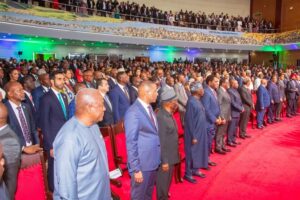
x,y
195,135
168,135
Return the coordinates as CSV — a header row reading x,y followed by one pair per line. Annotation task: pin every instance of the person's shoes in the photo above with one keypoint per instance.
x,y
199,174
260,127
212,163
236,143
220,152
247,136
226,150
190,179
231,145
270,122
289,116
278,120
207,169
242,137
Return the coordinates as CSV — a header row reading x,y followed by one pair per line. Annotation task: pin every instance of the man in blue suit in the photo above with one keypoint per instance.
x,y
263,102
38,92
53,115
133,88
236,110
20,118
212,108
142,142
119,96
291,94
275,100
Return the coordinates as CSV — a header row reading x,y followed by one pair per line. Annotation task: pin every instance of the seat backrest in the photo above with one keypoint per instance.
x,y
107,136
32,180
179,124
119,138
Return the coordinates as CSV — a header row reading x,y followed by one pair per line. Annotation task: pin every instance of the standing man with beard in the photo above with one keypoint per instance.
x,y
53,115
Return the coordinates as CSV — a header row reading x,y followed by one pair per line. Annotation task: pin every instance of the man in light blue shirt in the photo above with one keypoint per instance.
x,y
80,160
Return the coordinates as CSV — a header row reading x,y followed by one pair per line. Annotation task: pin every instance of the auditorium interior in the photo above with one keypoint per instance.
x,y
237,39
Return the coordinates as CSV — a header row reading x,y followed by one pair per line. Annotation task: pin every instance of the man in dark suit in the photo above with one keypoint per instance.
x,y
142,143
29,85
247,101
291,94
236,109
119,97
275,100
88,79
53,115
263,102
133,88
168,135
20,118
11,151
281,86
112,79
212,108
38,92
108,118
225,107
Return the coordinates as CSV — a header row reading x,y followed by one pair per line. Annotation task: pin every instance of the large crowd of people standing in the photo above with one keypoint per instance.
x,y
68,100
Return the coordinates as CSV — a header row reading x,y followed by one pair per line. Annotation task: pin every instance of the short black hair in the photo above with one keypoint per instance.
x,y
26,78
119,74
54,73
223,80
210,78
99,82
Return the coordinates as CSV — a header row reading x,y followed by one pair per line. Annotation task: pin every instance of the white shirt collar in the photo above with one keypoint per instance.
x,y
15,106
144,104
28,94
45,88
3,127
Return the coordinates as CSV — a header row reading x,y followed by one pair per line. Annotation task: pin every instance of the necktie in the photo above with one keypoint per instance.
x,y
62,105
108,102
215,94
24,125
151,116
126,92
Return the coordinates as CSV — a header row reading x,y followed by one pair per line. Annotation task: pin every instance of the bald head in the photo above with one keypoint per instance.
x,y
147,91
15,92
89,105
3,114
264,82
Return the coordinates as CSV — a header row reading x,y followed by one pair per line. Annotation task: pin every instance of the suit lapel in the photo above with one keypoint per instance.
x,y
26,113
123,94
55,99
13,116
146,114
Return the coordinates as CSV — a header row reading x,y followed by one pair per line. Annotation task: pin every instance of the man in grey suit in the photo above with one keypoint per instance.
x,y
168,135
225,106
247,101
182,96
11,150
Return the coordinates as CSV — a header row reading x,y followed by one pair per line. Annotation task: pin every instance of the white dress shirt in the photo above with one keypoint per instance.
x,y
145,105
14,107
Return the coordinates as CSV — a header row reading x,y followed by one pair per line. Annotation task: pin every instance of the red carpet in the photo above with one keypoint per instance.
x,y
266,166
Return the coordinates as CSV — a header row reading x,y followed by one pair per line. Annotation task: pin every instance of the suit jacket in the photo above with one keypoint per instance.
x,y
291,90
120,103
89,85
212,107
246,97
108,117
37,93
16,127
236,102
274,92
168,135
142,140
133,93
111,84
263,98
225,104
182,96
32,107
281,87
51,117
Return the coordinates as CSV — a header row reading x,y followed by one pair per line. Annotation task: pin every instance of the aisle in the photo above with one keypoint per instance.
x,y
266,166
